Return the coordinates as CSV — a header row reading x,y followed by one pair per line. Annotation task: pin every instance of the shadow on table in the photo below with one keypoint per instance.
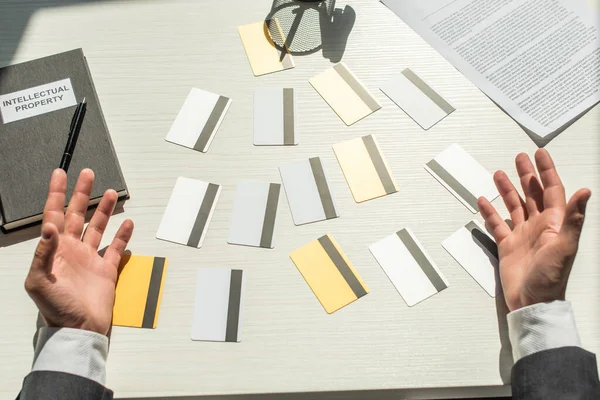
x,y
307,26
14,21
475,393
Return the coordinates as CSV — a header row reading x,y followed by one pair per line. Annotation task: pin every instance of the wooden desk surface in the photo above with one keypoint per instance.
x,y
145,56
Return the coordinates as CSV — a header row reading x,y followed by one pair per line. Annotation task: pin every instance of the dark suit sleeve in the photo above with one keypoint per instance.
x,y
567,373
49,385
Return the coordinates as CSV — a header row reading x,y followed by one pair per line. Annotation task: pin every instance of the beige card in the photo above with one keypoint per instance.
x,y
365,169
263,54
345,94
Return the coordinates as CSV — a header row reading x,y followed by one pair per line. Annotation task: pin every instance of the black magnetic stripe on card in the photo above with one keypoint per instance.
x,y
288,117
454,184
211,124
322,187
382,171
357,87
339,262
158,268
427,268
266,237
482,239
203,213
233,308
428,91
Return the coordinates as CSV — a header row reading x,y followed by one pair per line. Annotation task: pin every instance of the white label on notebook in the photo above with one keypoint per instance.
x,y
37,101
308,191
219,305
189,212
417,99
198,120
409,267
474,249
274,117
463,176
254,214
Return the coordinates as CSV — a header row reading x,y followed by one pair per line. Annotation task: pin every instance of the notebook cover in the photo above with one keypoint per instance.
x,y
31,148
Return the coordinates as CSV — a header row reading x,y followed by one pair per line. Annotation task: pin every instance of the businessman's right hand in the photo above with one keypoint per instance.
x,y
72,285
536,257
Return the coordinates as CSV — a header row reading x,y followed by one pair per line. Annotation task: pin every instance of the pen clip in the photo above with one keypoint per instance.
x,y
74,119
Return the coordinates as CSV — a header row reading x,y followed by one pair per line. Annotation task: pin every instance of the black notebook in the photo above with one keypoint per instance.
x,y
37,102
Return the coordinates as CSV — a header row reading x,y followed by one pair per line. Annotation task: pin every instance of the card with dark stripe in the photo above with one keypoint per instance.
x,y
188,214
412,94
408,266
366,170
345,94
139,291
475,250
275,117
463,176
219,305
255,214
198,120
308,191
264,54
329,273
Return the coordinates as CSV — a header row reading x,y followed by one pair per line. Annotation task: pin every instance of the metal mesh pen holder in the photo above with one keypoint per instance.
x,y
300,23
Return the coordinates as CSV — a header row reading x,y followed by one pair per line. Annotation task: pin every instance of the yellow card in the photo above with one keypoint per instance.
x,y
365,169
264,56
329,273
139,291
345,94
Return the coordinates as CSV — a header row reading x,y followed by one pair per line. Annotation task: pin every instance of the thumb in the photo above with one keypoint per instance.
x,y
575,215
46,248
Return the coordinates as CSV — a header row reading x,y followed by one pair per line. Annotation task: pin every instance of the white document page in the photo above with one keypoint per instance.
x,y
539,60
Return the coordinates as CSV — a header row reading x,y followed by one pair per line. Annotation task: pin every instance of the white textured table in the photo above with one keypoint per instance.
x,y
145,56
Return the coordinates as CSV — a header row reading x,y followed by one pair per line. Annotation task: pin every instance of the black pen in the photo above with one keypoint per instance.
x,y
73,135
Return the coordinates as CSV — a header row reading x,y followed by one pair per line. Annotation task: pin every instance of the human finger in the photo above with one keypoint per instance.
x,y
46,249
493,222
554,191
532,188
54,210
95,229
75,216
574,217
512,200
115,251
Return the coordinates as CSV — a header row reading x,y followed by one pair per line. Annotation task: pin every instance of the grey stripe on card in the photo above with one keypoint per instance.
x,y
382,171
323,188
288,117
427,268
342,266
482,239
454,184
158,268
279,41
233,308
287,59
428,91
266,237
202,217
211,124
357,87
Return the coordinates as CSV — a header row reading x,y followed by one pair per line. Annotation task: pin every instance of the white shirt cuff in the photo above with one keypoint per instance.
x,y
72,351
540,327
